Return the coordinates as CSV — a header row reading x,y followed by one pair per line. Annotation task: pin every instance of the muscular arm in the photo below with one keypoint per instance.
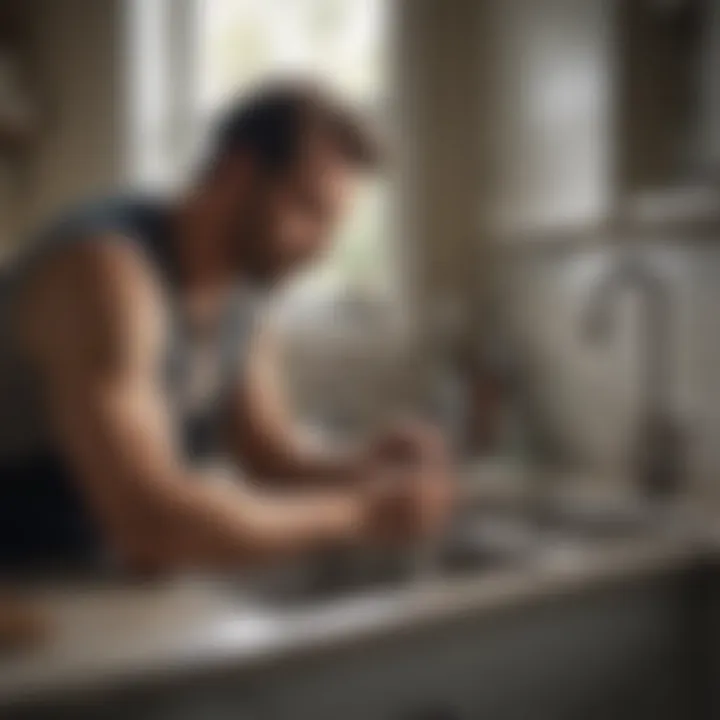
x,y
264,435
93,323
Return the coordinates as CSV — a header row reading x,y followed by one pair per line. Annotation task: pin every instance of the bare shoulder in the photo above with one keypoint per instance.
x,y
93,298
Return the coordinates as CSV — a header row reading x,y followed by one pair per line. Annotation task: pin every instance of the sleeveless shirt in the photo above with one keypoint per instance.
x,y
42,513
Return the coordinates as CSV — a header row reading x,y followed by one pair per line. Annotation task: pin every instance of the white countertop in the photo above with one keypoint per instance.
x,y
109,636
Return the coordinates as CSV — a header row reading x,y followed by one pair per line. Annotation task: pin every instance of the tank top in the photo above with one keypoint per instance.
x,y
42,513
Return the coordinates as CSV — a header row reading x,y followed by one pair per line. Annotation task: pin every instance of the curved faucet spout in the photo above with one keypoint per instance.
x,y
659,442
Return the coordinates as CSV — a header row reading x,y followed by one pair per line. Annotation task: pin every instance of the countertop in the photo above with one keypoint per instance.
x,y
105,635
111,636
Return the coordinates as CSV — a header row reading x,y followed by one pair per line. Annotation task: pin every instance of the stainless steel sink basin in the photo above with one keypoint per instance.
x,y
482,542
458,553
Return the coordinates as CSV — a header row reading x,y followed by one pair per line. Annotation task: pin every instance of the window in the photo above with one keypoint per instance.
x,y
189,56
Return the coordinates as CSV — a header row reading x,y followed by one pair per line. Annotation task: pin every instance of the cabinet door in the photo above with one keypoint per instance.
x,y
196,700
613,653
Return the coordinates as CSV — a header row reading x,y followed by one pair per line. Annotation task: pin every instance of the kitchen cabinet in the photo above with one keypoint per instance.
x,y
626,650
594,105
613,653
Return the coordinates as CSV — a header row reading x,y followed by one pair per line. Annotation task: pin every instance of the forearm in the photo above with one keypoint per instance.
x,y
220,525
160,514
302,463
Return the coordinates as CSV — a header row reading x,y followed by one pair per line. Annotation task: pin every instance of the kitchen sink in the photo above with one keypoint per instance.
x,y
478,544
336,575
481,542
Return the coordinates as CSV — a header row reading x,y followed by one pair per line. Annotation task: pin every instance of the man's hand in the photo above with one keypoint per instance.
x,y
406,502
410,481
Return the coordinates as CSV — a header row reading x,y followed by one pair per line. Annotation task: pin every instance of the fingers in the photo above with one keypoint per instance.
x,y
411,482
419,502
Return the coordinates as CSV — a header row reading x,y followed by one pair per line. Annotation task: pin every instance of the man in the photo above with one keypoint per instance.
x,y
126,363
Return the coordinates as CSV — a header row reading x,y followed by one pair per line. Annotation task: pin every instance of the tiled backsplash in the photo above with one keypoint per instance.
x,y
589,394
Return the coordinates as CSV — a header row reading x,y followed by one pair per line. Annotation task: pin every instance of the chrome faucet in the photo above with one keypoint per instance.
x,y
659,453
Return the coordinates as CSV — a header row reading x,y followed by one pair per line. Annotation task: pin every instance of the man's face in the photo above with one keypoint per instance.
x,y
289,218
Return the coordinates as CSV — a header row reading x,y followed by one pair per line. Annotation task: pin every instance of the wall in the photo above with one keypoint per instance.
x,y
439,144
74,57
